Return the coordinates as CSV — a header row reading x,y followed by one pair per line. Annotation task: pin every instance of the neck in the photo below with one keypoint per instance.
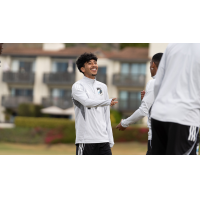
x,y
91,77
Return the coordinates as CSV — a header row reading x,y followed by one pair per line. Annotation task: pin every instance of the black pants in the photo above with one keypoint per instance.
x,y
174,139
93,149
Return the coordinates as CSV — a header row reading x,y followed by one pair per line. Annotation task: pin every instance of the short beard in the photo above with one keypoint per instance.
x,y
93,74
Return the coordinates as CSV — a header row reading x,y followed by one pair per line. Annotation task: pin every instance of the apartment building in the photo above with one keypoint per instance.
x,y
45,75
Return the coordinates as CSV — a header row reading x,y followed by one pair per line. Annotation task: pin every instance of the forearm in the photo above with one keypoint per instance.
x,y
85,101
97,103
136,116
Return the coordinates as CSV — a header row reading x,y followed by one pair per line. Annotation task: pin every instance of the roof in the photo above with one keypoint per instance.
x,y
131,53
126,54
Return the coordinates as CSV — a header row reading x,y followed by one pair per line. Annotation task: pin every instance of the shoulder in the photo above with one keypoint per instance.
x,y
170,47
150,84
77,85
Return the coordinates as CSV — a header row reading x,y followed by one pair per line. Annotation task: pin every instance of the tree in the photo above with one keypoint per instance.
x,y
123,45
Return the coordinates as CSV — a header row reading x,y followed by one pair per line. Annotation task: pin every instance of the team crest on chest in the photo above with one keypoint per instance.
x,y
99,90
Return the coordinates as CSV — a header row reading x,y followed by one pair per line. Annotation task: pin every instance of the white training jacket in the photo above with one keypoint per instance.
x,y
144,108
92,112
177,85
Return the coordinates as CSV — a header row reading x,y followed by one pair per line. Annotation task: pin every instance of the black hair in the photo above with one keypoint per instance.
x,y
86,57
157,58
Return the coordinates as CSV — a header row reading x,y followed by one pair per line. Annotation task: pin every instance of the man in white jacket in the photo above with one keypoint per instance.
x,y
147,101
176,111
92,110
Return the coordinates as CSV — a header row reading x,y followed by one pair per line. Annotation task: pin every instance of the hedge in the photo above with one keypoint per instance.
x,y
132,133
29,109
22,135
63,130
32,122
56,130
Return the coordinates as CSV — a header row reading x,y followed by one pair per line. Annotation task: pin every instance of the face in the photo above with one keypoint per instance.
x,y
1,47
90,69
153,68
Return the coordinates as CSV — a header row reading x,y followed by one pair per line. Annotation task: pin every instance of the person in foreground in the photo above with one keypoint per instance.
x,y
147,101
175,114
92,110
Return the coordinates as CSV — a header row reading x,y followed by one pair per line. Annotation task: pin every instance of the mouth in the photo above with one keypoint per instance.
x,y
94,70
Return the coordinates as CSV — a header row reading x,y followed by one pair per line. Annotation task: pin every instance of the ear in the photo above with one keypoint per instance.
x,y
83,69
155,66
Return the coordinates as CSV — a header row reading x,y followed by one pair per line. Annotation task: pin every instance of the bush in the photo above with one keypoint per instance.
x,y
32,122
29,110
115,116
139,134
57,130
22,135
63,130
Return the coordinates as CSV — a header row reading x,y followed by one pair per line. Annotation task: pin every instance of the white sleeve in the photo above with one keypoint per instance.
x,y
160,74
80,95
136,116
108,123
143,109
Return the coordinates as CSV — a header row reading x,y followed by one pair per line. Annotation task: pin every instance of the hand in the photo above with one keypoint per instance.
x,y
142,94
120,127
113,102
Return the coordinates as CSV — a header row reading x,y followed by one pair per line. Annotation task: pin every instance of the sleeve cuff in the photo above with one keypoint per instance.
x,y
123,124
111,145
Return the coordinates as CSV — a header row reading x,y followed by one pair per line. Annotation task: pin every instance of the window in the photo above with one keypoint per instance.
x,y
125,68
101,75
59,66
102,70
129,100
22,92
123,95
23,65
60,93
133,68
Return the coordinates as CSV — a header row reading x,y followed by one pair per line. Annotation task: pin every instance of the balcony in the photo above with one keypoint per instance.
x,y
128,105
63,103
101,78
15,101
129,80
18,77
59,78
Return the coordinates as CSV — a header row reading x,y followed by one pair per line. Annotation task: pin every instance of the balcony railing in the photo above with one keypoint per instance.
x,y
101,78
129,80
63,103
15,101
59,78
18,77
128,105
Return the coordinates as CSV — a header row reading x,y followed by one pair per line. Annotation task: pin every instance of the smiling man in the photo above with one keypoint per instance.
x,y
92,110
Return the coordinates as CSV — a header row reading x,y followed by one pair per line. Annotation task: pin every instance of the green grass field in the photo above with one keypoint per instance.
x,y
128,148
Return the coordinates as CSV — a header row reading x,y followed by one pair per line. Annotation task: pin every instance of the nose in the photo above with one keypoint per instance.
x,y
94,65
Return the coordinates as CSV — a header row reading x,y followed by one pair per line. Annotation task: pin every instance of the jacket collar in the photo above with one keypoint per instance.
x,y
89,80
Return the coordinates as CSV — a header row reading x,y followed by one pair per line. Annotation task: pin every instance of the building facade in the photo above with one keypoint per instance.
x,y
45,76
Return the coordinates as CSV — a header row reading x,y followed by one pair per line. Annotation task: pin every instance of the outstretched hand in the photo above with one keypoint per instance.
x,y
113,102
120,127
